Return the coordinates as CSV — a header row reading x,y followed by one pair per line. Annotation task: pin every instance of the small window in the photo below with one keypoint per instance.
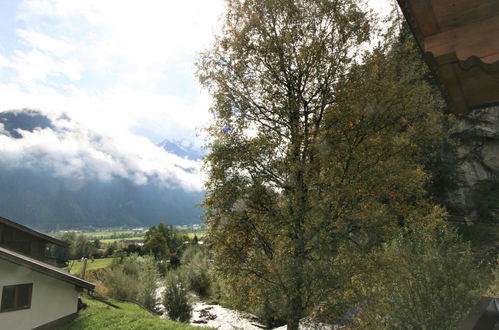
x,y
15,297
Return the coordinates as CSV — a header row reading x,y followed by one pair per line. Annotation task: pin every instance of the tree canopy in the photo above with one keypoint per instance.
x,y
315,147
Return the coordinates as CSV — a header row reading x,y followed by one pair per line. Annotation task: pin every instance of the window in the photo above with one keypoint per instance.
x,y
15,297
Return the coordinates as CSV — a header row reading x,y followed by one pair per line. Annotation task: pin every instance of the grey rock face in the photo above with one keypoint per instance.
x,y
477,156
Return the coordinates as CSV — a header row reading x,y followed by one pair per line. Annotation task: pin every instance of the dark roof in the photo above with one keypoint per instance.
x,y
33,232
44,268
460,44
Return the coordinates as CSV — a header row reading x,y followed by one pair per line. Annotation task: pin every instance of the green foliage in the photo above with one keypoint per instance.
x,y
486,199
483,237
173,240
130,316
76,266
111,248
156,244
122,282
493,290
313,149
270,313
175,299
195,269
79,247
134,279
97,243
164,242
148,278
431,283
62,254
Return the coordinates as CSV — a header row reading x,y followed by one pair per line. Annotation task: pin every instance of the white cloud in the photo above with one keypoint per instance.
x,y
45,43
75,151
141,34
137,48
3,61
116,67
34,67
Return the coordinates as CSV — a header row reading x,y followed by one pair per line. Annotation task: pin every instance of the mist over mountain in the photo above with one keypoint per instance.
x,y
178,149
56,173
28,120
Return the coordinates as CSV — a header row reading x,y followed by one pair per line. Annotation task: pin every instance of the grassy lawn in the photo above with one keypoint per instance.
x,y
101,316
77,265
199,234
111,240
104,234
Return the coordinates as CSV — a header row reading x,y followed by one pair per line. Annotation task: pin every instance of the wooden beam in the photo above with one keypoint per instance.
x,y
454,13
478,39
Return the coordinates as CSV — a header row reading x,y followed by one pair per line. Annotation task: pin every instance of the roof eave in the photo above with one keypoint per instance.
x,y
33,232
44,268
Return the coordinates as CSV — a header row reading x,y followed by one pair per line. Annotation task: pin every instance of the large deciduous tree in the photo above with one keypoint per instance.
x,y
164,242
312,146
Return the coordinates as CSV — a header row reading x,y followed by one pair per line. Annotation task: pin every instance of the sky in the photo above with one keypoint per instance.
x,y
122,70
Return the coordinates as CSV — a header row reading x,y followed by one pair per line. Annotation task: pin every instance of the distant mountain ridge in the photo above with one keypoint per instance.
x,y
33,195
27,120
178,149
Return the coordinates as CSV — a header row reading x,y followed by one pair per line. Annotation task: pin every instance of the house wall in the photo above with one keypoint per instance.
x,y
51,298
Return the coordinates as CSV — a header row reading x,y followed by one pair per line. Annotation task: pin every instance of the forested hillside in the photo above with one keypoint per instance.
x,y
47,189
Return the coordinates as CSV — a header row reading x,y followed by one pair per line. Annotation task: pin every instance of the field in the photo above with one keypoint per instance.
x,y
104,234
115,235
130,316
77,265
110,235
199,234
112,240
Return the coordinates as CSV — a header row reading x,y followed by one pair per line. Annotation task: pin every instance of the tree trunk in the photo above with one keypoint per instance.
x,y
295,311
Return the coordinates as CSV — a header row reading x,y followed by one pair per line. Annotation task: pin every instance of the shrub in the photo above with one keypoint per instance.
x,y
176,299
133,280
432,281
494,287
195,269
121,285
148,278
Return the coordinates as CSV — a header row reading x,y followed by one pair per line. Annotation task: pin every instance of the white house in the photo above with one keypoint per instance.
x,y
33,293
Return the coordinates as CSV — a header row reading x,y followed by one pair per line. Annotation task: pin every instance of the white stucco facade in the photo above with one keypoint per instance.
x,y
51,298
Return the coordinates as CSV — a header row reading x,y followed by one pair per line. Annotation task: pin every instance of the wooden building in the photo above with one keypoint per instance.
x,y
459,39
460,42
29,242
34,293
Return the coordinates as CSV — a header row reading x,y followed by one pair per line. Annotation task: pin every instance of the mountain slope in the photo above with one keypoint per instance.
x,y
48,192
178,149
